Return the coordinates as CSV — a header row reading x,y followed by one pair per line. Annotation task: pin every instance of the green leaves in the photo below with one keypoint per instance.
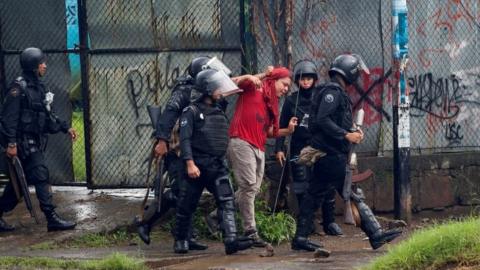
x,y
275,228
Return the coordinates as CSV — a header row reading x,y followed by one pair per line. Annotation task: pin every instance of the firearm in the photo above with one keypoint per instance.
x,y
159,184
20,186
347,185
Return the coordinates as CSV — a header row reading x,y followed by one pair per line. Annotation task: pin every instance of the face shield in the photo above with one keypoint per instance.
x,y
216,64
361,64
222,84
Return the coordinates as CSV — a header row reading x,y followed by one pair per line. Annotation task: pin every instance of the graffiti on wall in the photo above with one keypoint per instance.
x,y
444,21
144,85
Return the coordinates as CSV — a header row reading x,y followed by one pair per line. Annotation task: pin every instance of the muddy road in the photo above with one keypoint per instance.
x,y
105,211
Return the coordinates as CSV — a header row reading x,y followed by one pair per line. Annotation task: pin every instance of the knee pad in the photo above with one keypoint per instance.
x,y
224,189
357,194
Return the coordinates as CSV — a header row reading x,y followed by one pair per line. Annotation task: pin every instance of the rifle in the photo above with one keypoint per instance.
x,y
154,112
20,185
347,185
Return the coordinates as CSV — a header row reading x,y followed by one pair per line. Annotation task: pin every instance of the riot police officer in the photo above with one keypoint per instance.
x,y
180,99
27,118
203,142
331,127
298,105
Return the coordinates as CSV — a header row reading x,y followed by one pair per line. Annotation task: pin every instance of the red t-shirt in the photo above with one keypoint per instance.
x,y
251,119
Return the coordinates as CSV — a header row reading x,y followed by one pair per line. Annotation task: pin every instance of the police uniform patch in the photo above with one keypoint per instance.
x,y
183,122
329,98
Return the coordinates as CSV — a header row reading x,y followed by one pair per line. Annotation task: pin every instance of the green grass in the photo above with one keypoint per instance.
x,y
115,261
456,243
92,240
79,170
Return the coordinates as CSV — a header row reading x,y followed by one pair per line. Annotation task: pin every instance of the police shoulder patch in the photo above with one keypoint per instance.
x,y
183,122
329,98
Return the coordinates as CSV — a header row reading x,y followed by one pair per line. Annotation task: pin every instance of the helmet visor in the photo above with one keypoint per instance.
x,y
361,63
216,64
222,84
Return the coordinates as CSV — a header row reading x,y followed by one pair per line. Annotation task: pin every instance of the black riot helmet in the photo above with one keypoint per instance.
x,y
348,66
210,80
30,58
197,65
305,68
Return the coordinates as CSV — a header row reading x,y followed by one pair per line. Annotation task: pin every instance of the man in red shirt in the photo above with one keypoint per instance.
x,y
255,118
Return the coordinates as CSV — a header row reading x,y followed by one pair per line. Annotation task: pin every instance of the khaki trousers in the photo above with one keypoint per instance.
x,y
247,163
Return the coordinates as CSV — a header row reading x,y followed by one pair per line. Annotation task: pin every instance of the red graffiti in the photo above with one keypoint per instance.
x,y
316,37
444,19
376,94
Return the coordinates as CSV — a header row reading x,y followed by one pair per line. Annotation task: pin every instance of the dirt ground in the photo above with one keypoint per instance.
x,y
104,211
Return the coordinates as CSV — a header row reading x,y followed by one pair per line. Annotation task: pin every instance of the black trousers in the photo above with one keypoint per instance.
x,y
211,171
328,175
36,173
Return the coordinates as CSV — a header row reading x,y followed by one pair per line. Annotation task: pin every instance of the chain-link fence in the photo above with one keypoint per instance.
x,y
442,73
45,26
137,50
133,51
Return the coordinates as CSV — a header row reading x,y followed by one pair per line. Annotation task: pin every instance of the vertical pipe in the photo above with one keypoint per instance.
x,y
84,50
401,113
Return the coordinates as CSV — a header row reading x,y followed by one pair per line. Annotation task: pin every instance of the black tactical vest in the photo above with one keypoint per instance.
x,y
210,134
33,115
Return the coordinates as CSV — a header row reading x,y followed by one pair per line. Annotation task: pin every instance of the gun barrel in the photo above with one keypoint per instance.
x,y
154,113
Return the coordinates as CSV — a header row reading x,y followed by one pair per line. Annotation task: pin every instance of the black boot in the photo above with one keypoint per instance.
x,y
4,226
192,242
233,245
328,215
55,223
143,230
226,219
144,233
369,224
302,243
180,246
333,229
144,227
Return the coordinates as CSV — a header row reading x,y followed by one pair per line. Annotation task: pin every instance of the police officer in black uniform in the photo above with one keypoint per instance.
x,y
298,105
203,142
179,99
26,119
332,131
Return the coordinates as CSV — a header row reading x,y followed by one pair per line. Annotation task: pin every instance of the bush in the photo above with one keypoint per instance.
x,y
275,228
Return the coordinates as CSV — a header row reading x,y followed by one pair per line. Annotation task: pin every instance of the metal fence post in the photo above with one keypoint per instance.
x,y
249,61
3,83
84,49
401,113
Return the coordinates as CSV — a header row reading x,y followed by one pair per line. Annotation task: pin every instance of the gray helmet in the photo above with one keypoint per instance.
x,y
30,58
348,66
305,68
210,80
197,65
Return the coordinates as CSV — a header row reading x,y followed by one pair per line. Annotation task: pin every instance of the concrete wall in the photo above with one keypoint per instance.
x,y
437,181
